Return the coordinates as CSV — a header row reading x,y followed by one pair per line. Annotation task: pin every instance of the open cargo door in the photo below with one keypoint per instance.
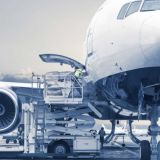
x,y
54,58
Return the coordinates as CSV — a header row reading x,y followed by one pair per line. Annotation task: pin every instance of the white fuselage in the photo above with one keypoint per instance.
x,y
118,45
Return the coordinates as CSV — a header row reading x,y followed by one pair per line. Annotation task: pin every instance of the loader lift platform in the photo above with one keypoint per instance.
x,y
62,88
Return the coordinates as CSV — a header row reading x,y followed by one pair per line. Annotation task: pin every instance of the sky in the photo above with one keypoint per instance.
x,y
32,27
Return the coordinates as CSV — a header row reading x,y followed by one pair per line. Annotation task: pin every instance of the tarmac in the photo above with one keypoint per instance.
x,y
115,151
107,153
112,151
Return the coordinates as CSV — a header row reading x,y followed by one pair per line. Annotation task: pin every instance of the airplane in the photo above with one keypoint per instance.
x,y
121,65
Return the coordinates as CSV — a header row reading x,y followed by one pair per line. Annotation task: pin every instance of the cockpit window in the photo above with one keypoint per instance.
x,y
151,5
123,11
134,7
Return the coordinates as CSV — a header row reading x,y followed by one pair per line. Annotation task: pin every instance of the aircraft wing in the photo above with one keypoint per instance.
x,y
24,89
15,84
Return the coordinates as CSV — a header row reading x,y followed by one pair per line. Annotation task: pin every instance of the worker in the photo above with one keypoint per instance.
x,y
102,134
78,81
78,72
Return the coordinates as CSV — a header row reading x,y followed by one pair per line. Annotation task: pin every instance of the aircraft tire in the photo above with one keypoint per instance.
x,y
158,148
145,150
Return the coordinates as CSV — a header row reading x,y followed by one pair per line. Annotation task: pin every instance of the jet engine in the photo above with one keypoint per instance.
x,y
10,110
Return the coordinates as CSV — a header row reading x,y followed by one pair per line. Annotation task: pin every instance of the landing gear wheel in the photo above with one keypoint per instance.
x,y
145,150
158,149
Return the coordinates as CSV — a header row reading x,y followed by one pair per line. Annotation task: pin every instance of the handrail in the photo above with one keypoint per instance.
x,y
65,82
36,82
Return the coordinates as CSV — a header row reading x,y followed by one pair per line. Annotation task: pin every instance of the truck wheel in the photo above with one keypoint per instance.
x,y
15,141
7,141
145,150
21,142
60,148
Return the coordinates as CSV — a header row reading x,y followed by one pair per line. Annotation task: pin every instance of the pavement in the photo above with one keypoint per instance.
x,y
108,153
115,151
111,151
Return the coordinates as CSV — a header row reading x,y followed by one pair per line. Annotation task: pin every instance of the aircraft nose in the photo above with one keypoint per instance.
x,y
150,39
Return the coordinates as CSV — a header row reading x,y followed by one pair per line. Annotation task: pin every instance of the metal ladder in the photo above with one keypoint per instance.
x,y
40,125
39,113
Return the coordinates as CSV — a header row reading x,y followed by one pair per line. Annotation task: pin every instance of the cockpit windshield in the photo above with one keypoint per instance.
x,y
128,9
150,5
134,6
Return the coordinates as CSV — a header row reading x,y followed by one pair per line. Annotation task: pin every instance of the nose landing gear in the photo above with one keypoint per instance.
x,y
154,131
145,148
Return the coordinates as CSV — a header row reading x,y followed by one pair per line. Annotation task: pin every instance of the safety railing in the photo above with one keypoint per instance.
x,y
62,87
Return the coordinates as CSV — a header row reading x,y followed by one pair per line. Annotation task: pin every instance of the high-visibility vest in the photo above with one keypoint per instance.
x,y
78,73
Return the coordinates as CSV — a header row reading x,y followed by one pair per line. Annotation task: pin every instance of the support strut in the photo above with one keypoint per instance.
x,y
154,131
130,133
111,135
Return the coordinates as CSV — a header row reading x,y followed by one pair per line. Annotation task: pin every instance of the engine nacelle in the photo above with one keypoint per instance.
x,y
10,110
